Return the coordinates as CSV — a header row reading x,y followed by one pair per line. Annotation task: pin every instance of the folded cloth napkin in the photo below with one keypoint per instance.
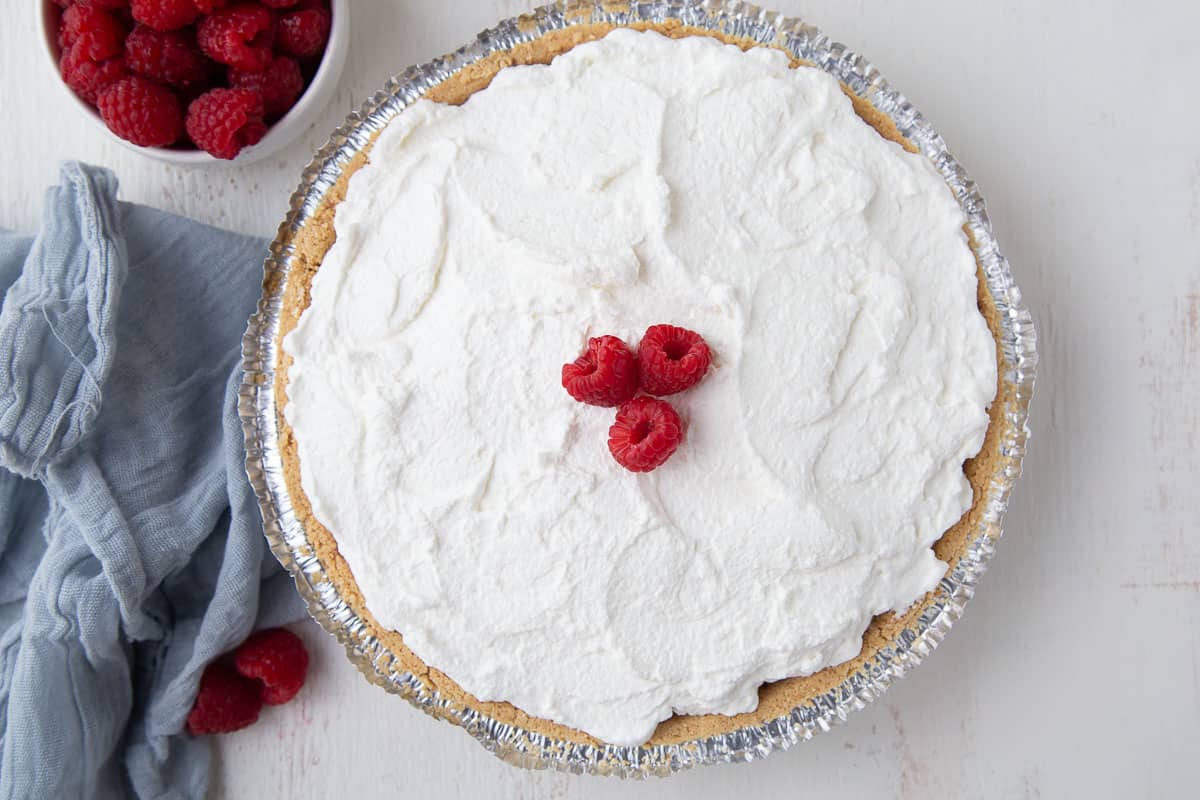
x,y
131,549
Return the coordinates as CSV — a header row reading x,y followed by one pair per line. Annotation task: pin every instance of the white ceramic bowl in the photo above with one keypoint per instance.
x,y
316,95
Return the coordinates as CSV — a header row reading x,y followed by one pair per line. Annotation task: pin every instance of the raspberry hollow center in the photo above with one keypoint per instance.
x,y
676,349
640,431
262,39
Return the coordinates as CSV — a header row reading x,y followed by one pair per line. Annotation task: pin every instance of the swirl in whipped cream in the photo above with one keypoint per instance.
x,y
638,180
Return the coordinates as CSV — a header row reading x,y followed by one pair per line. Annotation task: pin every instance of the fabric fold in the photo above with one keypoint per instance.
x,y
57,323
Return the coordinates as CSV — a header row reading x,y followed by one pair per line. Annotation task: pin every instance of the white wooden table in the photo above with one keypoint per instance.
x,y
1077,669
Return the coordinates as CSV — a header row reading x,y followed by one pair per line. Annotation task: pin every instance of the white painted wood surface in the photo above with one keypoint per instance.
x,y
1077,669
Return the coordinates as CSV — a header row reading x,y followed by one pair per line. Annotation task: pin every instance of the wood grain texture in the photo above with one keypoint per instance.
x,y
1076,671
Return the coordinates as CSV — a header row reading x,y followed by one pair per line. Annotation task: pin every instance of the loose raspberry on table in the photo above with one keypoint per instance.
x,y
164,15
223,121
672,359
303,33
227,701
277,658
88,78
645,434
141,111
280,84
240,36
606,374
93,33
171,57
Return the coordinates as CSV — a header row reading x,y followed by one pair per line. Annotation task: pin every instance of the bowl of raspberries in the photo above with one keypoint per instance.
x,y
197,81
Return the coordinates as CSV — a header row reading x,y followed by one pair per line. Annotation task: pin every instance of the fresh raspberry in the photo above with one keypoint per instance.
x,y
141,111
672,359
88,78
279,3
209,6
280,84
223,121
93,33
168,56
164,15
606,374
303,33
277,658
240,36
227,701
645,434
107,5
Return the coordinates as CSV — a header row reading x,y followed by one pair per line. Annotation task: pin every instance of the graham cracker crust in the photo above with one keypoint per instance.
x,y
777,699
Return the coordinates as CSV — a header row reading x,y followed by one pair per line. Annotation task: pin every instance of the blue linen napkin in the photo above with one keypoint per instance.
x,y
131,549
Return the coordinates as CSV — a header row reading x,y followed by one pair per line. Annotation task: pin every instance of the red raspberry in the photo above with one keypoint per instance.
x,y
94,34
223,121
170,57
226,701
107,5
277,658
141,111
209,6
88,78
280,85
279,3
645,434
164,15
605,375
303,33
240,36
672,359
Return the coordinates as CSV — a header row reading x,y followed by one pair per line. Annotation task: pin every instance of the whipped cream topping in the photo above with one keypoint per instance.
x,y
633,181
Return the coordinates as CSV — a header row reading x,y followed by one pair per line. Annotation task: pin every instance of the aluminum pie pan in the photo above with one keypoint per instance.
x,y
520,746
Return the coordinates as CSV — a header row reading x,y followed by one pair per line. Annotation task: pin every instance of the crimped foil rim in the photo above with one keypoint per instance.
x,y
514,744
